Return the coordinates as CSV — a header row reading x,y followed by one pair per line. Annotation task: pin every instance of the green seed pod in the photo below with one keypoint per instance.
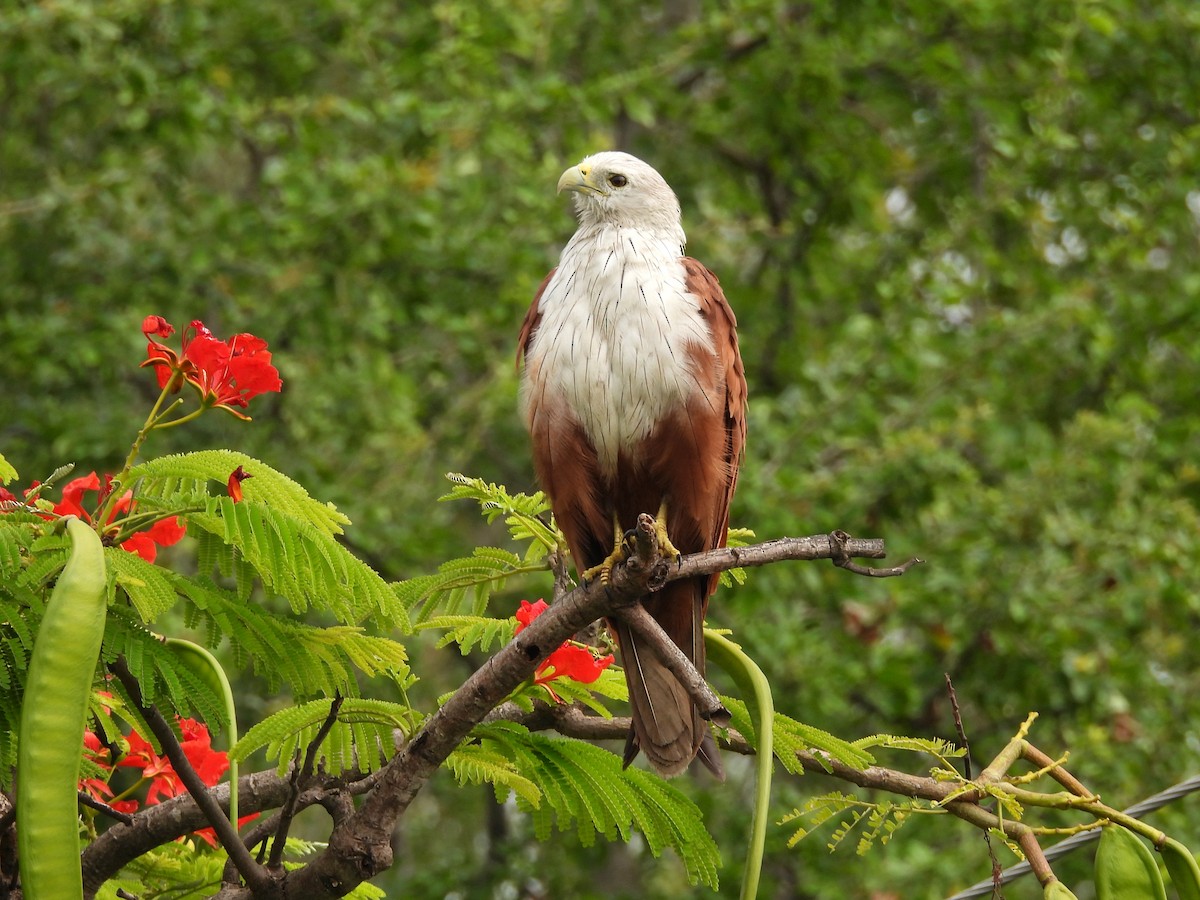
x,y
1125,868
1056,890
1181,866
53,717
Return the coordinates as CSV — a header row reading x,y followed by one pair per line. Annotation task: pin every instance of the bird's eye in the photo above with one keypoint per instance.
x,y
618,180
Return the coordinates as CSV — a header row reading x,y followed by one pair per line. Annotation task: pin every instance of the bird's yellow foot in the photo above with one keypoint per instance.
x,y
619,554
604,570
665,546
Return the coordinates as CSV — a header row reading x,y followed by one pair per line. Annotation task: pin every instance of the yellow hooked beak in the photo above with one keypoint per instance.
x,y
579,180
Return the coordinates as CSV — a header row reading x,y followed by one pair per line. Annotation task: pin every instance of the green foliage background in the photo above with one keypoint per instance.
x,y
961,240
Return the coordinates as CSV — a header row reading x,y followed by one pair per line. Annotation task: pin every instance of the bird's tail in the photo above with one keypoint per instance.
x,y
667,727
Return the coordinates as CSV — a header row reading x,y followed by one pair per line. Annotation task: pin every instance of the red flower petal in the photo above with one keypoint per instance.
x,y
142,545
569,661
142,755
572,661
166,532
528,612
209,764
99,789
72,496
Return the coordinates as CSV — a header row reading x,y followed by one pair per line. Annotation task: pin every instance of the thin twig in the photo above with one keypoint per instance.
x,y
840,542
997,891
100,806
300,775
1055,770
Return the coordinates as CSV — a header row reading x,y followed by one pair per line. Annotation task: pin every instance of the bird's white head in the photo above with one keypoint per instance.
x,y
615,188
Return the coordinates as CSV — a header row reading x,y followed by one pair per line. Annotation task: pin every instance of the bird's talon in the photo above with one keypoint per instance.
x,y
603,572
665,547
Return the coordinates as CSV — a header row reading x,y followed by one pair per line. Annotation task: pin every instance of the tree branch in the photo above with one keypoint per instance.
x,y
676,661
821,546
166,821
571,721
360,847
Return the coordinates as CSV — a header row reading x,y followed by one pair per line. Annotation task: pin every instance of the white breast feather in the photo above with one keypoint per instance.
x,y
616,318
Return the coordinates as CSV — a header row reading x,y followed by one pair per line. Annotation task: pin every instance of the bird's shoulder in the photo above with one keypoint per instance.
x,y
532,317
701,283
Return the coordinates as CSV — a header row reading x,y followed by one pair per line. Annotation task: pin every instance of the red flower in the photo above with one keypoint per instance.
x,y
527,612
165,783
234,485
227,374
145,544
158,769
72,496
158,326
571,660
209,764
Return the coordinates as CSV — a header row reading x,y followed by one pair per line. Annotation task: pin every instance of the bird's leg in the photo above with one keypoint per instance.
x,y
665,546
619,555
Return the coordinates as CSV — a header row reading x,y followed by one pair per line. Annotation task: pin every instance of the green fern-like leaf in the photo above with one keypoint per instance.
x,y
362,735
7,472
883,822
278,533
472,631
170,870
165,679
792,737
167,478
816,812
942,750
844,828
585,787
737,537
148,586
303,564
48,554
524,514
611,683
879,821
17,533
189,870
462,586
312,661
479,764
